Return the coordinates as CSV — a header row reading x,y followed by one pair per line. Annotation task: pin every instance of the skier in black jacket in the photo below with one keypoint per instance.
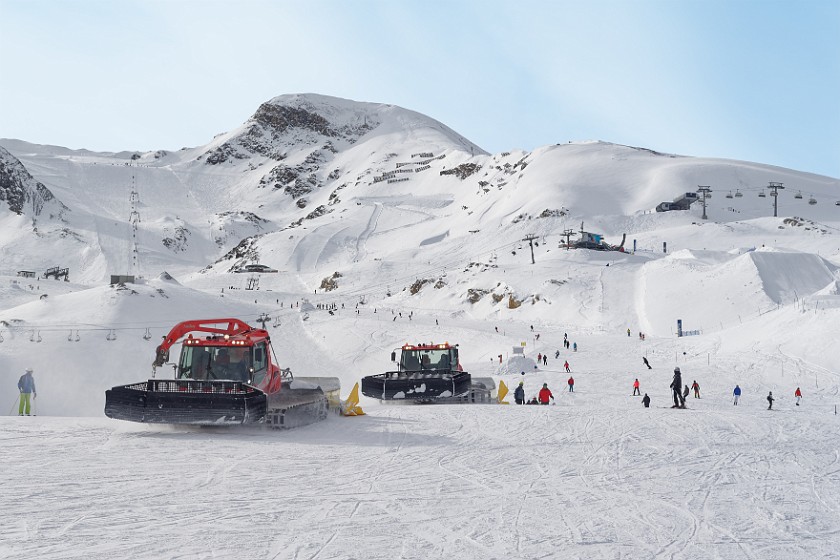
x,y
676,386
646,401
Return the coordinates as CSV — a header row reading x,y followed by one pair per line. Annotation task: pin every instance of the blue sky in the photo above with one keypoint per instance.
x,y
739,79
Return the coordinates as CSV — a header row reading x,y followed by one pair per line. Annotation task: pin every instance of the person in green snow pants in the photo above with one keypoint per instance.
x,y
26,386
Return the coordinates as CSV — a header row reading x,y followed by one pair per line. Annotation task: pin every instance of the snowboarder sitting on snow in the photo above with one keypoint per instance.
x,y
519,393
545,394
646,401
679,400
533,401
770,400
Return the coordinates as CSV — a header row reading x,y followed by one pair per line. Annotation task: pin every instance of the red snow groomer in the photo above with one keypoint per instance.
x,y
227,376
425,373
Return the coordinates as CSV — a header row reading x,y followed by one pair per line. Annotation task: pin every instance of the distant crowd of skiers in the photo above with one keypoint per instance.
x,y
680,392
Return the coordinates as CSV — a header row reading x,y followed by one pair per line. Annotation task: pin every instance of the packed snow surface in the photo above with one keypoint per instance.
x,y
386,228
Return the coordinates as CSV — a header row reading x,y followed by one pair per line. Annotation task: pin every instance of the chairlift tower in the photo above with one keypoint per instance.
x,y
567,233
530,239
705,192
774,192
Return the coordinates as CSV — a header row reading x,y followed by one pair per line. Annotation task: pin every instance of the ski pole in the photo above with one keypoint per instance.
x,y
14,404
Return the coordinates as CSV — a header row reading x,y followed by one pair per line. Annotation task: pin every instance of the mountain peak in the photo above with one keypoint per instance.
x,y
308,120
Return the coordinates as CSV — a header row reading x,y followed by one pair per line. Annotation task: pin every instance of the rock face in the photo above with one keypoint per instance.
x,y
21,192
291,121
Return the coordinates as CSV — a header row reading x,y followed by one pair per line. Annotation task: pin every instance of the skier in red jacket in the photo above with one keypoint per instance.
x,y
545,394
571,384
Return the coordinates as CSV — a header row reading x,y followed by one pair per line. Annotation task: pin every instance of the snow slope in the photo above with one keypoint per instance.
x,y
303,186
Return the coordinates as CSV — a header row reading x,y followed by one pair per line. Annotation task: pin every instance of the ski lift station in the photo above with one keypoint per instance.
x,y
682,202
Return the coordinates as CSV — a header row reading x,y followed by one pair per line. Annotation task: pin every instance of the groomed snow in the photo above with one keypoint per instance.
x,y
433,259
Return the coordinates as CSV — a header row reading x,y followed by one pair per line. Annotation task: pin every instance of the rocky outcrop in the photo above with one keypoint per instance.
x,y
22,193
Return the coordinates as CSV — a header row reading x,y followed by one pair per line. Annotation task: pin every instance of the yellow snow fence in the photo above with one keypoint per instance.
x,y
350,407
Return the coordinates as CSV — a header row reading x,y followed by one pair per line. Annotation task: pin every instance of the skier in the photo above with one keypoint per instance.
x,y
636,388
696,388
566,365
519,393
679,400
644,360
545,359
646,401
575,347
737,393
628,332
571,384
539,357
798,395
770,400
26,386
557,354
545,394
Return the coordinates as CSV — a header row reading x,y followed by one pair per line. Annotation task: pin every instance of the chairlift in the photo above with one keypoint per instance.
x,y
835,204
798,195
1,337
812,200
738,194
70,337
147,335
77,339
762,195
729,194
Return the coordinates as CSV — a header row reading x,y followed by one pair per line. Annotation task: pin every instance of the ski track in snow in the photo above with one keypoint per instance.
x,y
429,481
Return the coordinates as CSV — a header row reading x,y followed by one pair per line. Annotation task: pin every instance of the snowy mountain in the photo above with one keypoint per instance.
x,y
415,233
23,194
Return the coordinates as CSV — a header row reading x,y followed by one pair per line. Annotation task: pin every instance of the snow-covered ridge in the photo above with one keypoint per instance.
x,y
23,194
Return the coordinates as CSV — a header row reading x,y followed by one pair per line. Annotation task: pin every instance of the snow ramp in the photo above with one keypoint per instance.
x,y
711,289
790,276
